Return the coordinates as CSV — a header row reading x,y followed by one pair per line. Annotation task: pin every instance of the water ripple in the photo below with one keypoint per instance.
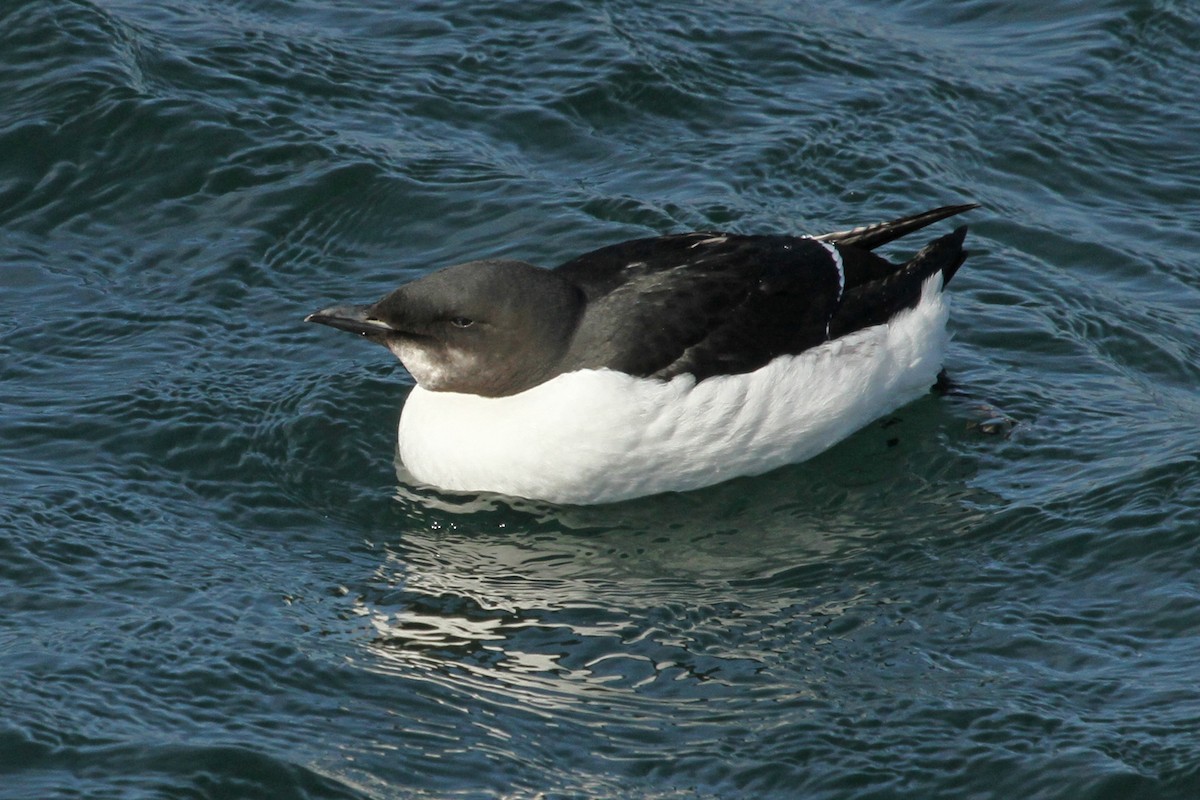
x,y
217,582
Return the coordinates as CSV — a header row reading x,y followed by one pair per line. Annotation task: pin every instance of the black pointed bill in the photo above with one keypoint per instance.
x,y
355,319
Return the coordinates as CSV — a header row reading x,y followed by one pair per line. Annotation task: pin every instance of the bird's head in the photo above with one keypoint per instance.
x,y
491,328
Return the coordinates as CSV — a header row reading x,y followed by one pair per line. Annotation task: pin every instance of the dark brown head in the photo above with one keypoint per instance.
x,y
491,328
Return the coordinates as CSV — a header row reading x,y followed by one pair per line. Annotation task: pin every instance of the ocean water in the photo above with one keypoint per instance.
x,y
214,584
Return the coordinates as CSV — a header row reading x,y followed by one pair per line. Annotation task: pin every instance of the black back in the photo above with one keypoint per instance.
x,y
714,303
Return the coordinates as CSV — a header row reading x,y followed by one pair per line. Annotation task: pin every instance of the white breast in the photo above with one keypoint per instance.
x,y
597,435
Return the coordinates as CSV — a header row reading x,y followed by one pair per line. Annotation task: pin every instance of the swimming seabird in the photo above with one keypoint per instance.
x,y
660,364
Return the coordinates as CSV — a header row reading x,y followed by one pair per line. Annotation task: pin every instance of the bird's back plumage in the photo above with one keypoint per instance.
x,y
716,303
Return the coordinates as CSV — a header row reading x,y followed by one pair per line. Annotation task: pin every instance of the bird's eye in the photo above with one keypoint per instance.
x,y
462,322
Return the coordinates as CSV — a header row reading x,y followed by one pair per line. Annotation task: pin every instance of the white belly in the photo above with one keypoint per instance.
x,y
596,436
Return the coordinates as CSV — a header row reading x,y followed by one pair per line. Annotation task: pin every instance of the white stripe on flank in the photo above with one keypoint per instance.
x,y
841,273
837,264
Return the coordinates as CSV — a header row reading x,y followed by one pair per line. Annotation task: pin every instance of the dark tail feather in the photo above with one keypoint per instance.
x,y
868,237
955,240
875,302
944,255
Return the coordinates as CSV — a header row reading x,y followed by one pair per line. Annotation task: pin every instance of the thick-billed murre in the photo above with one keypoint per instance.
x,y
659,364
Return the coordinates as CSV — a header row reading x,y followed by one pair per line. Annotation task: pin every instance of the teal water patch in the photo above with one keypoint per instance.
x,y
215,584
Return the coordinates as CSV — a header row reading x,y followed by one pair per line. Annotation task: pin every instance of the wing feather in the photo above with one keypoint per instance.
x,y
715,303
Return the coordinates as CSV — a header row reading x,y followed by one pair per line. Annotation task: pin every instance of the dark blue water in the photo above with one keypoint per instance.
x,y
213,584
